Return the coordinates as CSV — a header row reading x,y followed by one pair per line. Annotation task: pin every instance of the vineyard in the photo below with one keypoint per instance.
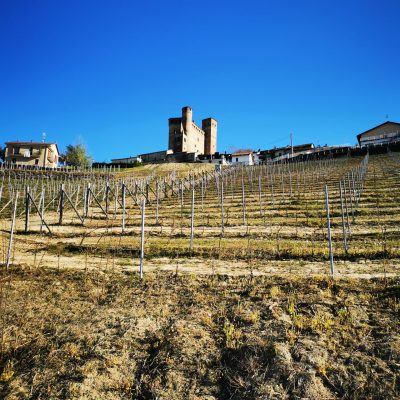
x,y
269,281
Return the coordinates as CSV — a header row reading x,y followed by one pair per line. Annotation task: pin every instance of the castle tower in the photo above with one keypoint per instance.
x,y
187,119
209,126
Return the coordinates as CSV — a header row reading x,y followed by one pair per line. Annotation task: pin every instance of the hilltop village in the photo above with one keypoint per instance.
x,y
188,142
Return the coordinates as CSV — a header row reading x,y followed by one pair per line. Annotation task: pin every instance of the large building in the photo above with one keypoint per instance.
x,y
381,134
186,141
32,154
186,137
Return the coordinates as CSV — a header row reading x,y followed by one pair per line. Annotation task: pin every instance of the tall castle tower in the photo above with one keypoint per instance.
x,y
209,126
187,119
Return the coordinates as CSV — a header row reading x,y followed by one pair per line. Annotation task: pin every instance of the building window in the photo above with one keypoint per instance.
x,y
16,150
237,159
37,161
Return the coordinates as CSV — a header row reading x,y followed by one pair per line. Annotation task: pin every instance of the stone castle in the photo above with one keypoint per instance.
x,y
186,141
186,137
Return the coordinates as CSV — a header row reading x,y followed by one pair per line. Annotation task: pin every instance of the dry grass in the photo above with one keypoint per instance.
x,y
110,336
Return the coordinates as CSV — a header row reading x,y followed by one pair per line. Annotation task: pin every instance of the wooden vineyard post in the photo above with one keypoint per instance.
x,y
142,238
192,222
12,231
222,208
343,223
346,206
27,206
165,188
328,219
61,204
243,201
87,200
157,200
181,202
259,194
123,206
351,199
116,201
107,197
41,205
202,202
353,193
272,189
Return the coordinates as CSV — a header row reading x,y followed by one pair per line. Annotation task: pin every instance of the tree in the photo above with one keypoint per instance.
x,y
77,156
2,153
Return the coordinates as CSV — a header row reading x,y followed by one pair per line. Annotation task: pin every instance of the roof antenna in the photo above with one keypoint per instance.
x,y
387,117
43,137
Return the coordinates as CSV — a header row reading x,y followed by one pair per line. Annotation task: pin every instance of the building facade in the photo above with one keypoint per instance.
x,y
384,133
45,155
287,151
184,136
245,157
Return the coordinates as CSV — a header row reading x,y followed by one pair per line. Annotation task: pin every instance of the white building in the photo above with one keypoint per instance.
x,y
245,157
216,158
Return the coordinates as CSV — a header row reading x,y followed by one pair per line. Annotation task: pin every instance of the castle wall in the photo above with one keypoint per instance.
x,y
195,140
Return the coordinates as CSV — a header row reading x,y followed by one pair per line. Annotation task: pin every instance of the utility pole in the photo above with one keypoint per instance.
x,y
291,143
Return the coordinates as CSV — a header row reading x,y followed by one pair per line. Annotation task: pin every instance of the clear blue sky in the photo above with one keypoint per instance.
x,y
110,73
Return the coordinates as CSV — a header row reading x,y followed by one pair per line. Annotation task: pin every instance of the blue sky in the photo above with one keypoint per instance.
x,y
111,73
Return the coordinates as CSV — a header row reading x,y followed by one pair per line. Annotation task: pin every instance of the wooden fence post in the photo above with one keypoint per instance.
x,y
243,201
27,207
41,205
192,222
123,206
343,223
157,199
222,208
87,200
61,204
142,238
107,197
329,231
8,260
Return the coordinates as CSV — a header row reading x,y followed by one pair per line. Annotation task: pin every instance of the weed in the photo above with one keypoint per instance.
x,y
275,292
8,372
232,335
